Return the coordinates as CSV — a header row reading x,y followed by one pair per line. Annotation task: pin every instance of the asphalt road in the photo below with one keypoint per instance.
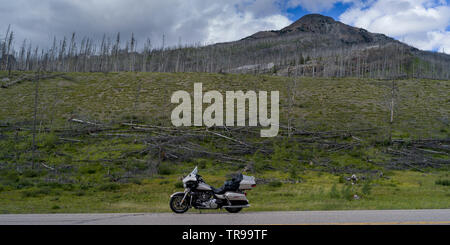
x,y
355,217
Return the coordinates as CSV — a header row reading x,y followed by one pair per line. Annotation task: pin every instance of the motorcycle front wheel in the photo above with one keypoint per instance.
x,y
233,210
176,205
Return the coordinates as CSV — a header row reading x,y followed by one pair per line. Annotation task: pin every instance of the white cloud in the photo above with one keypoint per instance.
x,y
192,21
238,26
420,23
433,40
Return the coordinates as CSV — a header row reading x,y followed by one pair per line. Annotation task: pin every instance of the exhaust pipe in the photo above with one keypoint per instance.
x,y
236,206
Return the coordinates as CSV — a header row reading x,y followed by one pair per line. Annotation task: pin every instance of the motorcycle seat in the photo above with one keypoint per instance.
x,y
229,185
219,191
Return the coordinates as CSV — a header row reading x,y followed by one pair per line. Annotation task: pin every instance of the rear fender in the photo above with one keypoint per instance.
x,y
220,196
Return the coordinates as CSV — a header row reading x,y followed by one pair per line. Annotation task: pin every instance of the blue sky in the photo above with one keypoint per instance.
x,y
338,8
421,23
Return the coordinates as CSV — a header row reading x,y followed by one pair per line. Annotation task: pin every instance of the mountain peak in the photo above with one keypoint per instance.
x,y
317,24
311,23
316,17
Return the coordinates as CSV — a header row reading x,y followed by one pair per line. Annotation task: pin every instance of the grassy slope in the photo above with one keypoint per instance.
x,y
321,105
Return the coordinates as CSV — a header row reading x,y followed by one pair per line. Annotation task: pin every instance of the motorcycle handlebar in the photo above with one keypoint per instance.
x,y
199,177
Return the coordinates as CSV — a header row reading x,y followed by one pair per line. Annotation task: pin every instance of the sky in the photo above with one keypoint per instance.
x,y
424,24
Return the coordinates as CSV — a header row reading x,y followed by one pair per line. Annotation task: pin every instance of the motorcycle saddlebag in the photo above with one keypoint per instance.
x,y
236,198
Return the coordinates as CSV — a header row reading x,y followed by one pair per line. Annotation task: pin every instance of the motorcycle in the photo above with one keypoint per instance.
x,y
199,195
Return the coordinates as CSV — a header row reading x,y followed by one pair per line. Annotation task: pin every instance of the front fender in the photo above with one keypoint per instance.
x,y
176,193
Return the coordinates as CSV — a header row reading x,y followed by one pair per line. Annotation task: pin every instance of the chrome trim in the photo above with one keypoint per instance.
x,y
237,206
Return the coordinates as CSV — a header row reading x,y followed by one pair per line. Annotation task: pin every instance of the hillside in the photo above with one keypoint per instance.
x,y
313,46
320,103
107,138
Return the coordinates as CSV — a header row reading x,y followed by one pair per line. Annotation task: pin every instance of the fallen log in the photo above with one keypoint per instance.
x,y
32,77
83,122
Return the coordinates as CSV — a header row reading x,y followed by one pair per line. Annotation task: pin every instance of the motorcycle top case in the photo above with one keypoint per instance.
x,y
247,182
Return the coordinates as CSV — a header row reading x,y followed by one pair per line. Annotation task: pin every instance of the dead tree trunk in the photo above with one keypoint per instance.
x,y
36,97
392,108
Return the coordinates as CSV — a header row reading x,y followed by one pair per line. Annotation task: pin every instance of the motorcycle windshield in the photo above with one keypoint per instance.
x,y
192,176
194,172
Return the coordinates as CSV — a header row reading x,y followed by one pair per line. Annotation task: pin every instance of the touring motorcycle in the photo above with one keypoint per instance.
x,y
199,195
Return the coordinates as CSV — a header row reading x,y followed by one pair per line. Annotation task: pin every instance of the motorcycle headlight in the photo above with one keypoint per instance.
x,y
190,184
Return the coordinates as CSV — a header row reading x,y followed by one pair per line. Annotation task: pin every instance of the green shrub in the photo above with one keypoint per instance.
x,y
23,183
109,187
53,185
262,165
30,173
201,164
85,186
286,194
56,207
10,177
136,181
165,169
35,192
366,188
275,184
179,185
68,187
356,153
91,169
334,192
49,140
164,182
281,152
259,164
79,193
293,173
445,182
137,165
346,192
68,159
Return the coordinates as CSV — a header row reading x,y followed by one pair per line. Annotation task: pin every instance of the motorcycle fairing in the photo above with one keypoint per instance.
x,y
192,176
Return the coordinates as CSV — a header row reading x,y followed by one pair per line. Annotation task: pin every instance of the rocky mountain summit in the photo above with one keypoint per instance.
x,y
324,25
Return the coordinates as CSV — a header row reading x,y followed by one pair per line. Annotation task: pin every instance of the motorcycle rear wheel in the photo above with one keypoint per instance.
x,y
233,210
175,204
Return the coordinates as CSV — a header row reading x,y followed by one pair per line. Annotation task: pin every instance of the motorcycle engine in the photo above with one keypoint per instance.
x,y
205,199
210,204
204,196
